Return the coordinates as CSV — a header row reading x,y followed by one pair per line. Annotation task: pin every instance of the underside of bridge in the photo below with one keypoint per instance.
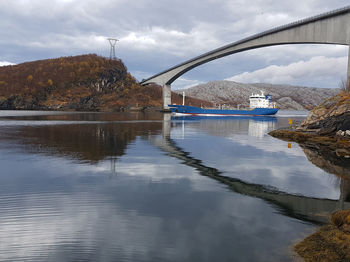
x,y
329,28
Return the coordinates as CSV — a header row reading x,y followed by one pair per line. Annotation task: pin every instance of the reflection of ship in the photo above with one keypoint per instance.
x,y
256,126
260,128
260,104
218,117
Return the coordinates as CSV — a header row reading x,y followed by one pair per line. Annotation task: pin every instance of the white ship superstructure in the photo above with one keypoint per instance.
x,y
261,101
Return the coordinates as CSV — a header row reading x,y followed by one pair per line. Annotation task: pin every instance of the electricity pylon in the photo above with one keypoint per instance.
x,y
112,42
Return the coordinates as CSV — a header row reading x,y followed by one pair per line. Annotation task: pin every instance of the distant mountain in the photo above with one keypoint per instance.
x,y
85,82
234,94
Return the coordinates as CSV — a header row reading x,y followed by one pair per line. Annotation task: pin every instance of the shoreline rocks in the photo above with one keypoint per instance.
x,y
327,125
329,117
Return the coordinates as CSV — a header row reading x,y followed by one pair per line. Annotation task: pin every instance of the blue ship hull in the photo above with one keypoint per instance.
x,y
192,110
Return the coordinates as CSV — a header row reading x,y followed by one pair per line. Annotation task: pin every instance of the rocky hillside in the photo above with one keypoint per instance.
x,y
285,96
86,82
330,118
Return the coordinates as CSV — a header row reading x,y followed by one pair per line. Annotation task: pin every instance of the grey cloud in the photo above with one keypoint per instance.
x,y
317,69
154,34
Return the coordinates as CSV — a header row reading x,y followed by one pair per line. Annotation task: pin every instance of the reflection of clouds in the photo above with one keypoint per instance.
x,y
266,161
292,177
156,168
58,209
243,149
154,208
73,220
82,226
268,144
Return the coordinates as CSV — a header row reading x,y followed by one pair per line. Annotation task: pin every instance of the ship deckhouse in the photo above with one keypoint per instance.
x,y
261,101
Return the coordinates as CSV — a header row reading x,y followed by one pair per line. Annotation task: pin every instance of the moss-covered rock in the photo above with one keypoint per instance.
x,y
339,144
341,219
330,243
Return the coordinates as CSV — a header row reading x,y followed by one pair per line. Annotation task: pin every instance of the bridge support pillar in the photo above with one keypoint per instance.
x,y
166,96
348,74
166,128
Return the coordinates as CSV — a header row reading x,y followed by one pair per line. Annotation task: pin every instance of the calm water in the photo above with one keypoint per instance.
x,y
145,187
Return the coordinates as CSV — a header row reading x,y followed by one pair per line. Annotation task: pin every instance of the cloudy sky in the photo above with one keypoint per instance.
x,y
155,35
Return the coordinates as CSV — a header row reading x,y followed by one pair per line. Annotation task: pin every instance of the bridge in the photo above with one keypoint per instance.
x,y
328,28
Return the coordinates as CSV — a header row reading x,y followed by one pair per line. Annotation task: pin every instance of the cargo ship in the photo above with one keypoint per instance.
x,y
260,105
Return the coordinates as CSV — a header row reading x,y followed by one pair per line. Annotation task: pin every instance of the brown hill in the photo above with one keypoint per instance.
x,y
86,82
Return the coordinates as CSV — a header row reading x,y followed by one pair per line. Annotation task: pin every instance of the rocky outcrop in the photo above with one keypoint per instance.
x,y
330,117
326,127
19,102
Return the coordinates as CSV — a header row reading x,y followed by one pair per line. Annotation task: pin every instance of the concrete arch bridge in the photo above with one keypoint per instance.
x,y
328,28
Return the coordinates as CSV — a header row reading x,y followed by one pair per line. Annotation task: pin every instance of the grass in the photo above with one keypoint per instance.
x,y
330,243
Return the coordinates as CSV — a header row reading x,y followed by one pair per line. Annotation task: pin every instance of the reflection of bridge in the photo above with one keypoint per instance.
x,y
329,28
315,210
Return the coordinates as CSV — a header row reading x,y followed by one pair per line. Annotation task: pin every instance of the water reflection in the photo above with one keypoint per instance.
x,y
78,116
328,160
93,143
225,125
113,188
260,128
88,142
306,208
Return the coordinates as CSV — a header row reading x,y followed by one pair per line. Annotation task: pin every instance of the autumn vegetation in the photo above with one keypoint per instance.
x,y
330,242
86,82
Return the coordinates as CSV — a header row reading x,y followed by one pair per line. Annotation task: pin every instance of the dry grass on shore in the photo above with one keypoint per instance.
x,y
330,243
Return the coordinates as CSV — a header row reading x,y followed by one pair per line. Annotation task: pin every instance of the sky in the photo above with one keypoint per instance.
x,y
155,35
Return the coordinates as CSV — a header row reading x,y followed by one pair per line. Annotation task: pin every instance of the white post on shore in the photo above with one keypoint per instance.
x,y
183,98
